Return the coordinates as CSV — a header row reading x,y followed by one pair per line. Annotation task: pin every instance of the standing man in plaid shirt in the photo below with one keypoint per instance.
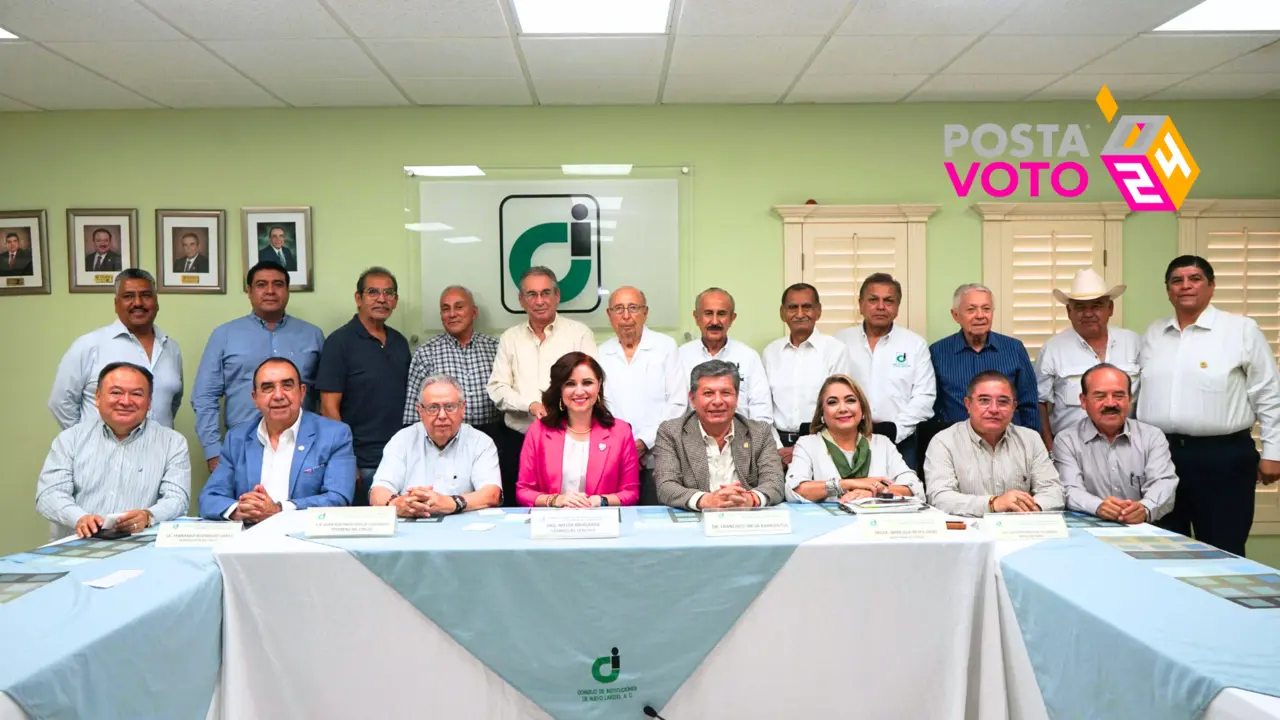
x,y
465,355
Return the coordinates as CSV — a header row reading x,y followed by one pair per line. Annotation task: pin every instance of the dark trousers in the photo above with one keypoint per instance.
x,y
510,443
1216,481
364,481
648,490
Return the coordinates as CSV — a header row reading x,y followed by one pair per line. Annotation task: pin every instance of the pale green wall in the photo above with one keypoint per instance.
x,y
347,165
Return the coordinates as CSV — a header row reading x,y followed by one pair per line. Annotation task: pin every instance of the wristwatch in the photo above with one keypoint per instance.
x,y
462,503
604,501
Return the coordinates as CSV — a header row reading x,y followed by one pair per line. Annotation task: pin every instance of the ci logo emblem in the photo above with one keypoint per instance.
x,y
613,662
525,242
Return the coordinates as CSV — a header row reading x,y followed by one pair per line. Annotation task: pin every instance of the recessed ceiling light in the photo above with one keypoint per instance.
x,y
6,35
465,240
596,169
1227,16
428,227
594,17
443,170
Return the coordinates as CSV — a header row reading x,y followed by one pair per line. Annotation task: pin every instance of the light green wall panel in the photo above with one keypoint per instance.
x,y
347,164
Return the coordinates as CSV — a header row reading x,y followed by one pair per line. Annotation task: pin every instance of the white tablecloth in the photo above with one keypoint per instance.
x,y
1026,703
908,629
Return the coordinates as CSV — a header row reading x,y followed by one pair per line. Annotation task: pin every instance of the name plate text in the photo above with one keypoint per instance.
x,y
574,524
730,523
913,526
1025,526
351,522
195,534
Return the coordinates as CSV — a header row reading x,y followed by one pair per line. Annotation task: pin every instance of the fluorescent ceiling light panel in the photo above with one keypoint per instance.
x,y
593,17
467,240
596,169
428,227
1227,16
443,170
6,35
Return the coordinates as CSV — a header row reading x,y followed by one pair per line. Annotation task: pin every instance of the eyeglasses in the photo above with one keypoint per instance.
x,y
1003,403
435,408
373,293
629,309
545,294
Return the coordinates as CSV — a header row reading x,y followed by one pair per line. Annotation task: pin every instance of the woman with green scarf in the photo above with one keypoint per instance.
x,y
842,460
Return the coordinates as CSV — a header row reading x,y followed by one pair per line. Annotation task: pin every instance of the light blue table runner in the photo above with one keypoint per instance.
x,y
548,615
148,648
1103,630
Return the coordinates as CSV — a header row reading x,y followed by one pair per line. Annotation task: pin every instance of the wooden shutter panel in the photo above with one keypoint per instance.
x,y
839,256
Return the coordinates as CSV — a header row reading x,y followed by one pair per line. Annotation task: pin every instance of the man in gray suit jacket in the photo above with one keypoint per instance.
x,y
713,458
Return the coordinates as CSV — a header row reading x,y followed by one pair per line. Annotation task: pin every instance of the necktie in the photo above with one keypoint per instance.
x,y
11,259
190,262
97,262
281,254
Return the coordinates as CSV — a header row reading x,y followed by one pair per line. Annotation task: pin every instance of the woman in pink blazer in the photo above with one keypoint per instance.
x,y
578,455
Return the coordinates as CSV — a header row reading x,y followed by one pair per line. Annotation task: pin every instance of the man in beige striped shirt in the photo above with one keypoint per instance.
x,y
986,464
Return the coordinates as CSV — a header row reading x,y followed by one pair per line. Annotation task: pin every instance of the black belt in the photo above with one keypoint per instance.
x,y
1200,440
790,438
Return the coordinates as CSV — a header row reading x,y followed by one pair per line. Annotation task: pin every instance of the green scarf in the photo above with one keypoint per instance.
x,y
861,457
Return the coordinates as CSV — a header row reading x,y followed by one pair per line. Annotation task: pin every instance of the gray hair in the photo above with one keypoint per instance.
x,y
697,302
967,288
643,300
714,369
461,289
542,270
134,274
441,378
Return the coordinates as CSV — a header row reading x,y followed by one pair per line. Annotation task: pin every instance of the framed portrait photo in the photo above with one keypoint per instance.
x,y
24,253
191,251
282,234
100,243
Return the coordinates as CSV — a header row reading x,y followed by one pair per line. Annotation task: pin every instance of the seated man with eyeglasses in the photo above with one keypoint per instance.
x,y
440,466
364,370
987,464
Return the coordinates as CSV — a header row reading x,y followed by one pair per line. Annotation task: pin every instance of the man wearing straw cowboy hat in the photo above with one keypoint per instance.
x,y
1089,341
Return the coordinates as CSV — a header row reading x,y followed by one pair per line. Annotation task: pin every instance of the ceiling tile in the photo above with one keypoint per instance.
x,y
925,17
33,75
417,19
249,19
83,21
978,88
738,88
1222,87
850,55
1263,60
618,90
448,57
297,59
1091,17
467,91
741,55
853,88
759,17
568,57
207,94
338,92
997,54
11,105
1176,53
133,62
1124,87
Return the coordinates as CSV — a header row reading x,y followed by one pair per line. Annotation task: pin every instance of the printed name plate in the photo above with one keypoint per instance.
x,y
190,533
914,526
1025,526
574,523
351,522
729,523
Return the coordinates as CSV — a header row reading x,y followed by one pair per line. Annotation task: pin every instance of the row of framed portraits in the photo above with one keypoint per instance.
x,y
191,248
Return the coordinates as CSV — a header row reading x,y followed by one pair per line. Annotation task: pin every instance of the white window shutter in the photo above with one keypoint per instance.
x,y
838,257
1245,254
1043,256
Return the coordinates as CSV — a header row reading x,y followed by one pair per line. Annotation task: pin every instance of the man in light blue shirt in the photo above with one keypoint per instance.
x,y
237,348
132,338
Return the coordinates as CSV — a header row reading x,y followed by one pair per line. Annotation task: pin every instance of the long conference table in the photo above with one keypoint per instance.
x,y
469,618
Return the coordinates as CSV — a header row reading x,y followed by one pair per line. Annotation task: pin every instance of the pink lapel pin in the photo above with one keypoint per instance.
x,y
602,446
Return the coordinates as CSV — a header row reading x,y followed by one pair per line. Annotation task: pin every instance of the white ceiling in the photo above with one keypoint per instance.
x,y
75,54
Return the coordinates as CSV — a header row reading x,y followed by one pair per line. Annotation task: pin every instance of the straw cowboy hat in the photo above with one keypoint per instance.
x,y
1088,285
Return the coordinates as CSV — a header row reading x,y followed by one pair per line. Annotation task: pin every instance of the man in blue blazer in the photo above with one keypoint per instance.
x,y
287,460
